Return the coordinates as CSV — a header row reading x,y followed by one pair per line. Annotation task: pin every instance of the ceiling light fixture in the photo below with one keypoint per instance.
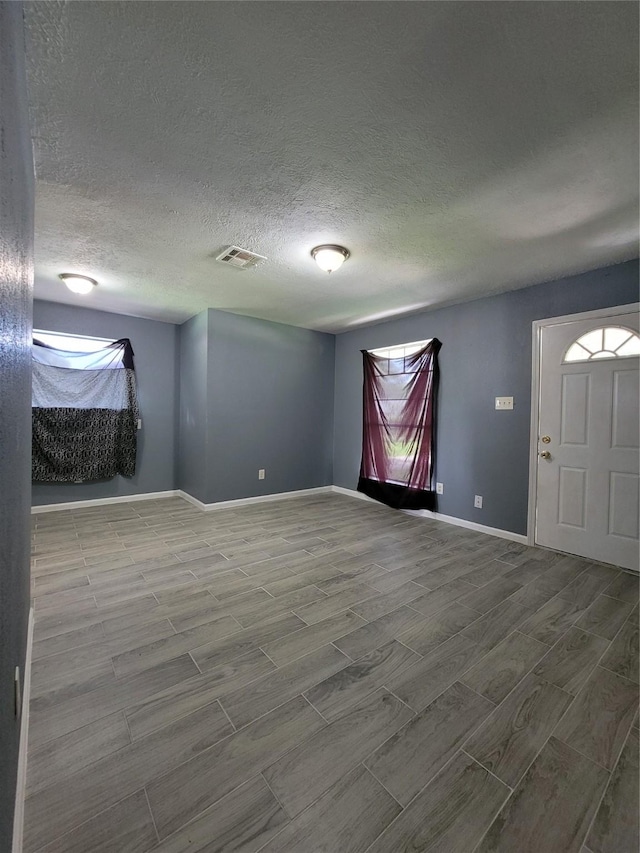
x,y
78,283
329,257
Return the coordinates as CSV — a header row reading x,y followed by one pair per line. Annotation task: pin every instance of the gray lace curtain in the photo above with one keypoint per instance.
x,y
85,413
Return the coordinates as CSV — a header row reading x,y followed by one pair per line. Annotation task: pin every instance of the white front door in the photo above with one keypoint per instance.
x,y
588,439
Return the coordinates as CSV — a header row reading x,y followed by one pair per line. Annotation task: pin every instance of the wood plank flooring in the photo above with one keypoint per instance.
x,y
324,674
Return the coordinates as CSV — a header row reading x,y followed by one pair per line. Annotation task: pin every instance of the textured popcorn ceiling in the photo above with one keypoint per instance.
x,y
456,149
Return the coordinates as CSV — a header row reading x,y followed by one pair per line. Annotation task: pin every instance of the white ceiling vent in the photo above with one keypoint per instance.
x,y
242,259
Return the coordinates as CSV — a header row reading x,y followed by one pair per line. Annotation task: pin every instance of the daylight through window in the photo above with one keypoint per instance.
x,y
609,342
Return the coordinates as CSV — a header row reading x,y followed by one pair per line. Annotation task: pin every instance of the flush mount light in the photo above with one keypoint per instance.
x,y
329,257
78,283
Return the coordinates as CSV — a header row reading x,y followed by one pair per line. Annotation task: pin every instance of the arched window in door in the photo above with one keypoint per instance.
x,y
606,342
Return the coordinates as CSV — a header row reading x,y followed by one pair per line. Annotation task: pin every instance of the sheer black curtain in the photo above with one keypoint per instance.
x,y
399,419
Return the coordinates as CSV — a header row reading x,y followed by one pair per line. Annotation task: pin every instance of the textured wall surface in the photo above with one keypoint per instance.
x,y
455,148
270,405
486,353
253,394
155,346
193,445
16,277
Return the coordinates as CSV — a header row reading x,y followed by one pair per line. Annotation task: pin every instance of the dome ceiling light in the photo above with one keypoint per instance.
x,y
329,257
78,283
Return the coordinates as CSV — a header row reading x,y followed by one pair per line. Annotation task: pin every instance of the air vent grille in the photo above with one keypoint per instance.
x,y
241,259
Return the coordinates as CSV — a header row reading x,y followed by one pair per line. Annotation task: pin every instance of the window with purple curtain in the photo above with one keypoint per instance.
x,y
399,419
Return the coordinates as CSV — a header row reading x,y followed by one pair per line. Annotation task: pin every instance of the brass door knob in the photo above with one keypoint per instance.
x,y
545,455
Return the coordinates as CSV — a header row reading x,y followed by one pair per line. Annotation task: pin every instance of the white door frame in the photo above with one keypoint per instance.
x,y
536,331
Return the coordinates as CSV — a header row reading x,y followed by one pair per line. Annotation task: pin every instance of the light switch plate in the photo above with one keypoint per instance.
x,y
504,403
17,692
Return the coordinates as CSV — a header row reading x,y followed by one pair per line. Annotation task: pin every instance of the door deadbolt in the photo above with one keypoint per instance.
x,y
545,439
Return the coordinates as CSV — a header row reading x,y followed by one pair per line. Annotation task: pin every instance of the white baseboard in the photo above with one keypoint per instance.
x,y
21,781
448,519
352,493
119,499
278,496
471,525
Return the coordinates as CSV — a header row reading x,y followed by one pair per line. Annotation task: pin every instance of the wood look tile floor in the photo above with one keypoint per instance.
x,y
324,674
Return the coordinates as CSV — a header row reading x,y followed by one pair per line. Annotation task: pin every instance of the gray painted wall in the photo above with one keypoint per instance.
x,y
270,406
220,397
16,277
155,346
268,401
486,352
192,446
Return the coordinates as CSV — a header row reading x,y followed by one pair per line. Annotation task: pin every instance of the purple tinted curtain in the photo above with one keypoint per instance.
x,y
398,439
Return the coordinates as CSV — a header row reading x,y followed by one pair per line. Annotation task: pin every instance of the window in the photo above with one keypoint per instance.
x,y
84,408
76,351
71,343
397,360
400,350
398,424
609,342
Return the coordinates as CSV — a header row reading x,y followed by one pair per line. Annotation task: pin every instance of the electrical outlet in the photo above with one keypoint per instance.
x,y
439,488
478,502
139,423
261,473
